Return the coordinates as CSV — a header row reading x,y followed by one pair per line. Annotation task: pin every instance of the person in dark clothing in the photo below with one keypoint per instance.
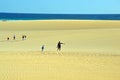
x,y
14,37
23,37
8,38
59,46
42,48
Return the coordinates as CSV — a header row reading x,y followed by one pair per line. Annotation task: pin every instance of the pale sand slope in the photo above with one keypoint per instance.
x,y
35,66
91,50
78,36
58,24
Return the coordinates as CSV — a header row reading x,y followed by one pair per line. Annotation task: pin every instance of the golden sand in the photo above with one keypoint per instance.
x,y
91,50
51,66
58,24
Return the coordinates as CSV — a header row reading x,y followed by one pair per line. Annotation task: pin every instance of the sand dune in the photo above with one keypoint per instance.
x,y
78,36
93,41
91,50
50,66
58,24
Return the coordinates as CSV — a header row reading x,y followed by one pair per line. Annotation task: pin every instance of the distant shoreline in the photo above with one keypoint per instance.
x,y
56,20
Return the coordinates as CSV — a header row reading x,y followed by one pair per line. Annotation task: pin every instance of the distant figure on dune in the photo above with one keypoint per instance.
x,y
14,37
59,46
42,48
8,38
23,37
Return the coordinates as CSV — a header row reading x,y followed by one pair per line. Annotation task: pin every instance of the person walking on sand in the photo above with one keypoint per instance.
x,y
8,38
42,48
23,37
14,37
59,46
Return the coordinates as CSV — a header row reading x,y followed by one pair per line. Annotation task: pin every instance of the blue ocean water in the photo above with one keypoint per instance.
x,y
28,16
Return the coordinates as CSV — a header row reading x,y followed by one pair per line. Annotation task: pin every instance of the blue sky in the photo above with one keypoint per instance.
x,y
61,6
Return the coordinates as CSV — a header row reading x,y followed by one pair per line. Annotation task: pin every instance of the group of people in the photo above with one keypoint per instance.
x,y
59,45
14,37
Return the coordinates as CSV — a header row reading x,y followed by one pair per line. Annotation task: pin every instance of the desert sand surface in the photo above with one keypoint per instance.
x,y
52,66
91,50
